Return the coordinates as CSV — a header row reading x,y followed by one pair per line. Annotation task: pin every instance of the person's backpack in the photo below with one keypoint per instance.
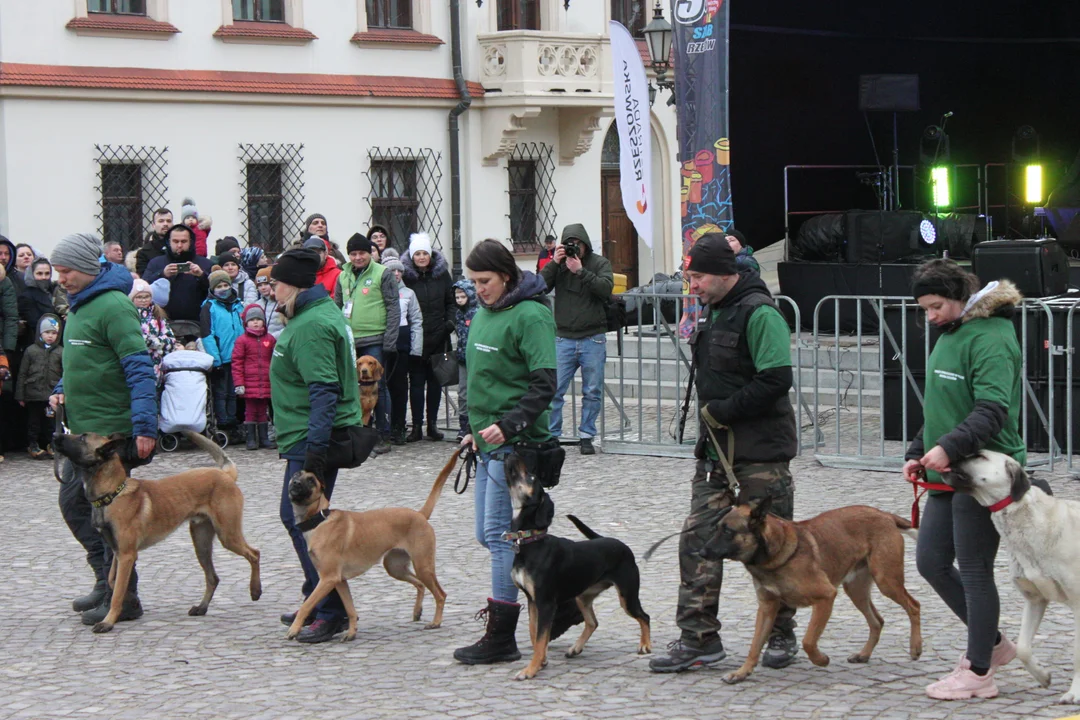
x,y
616,313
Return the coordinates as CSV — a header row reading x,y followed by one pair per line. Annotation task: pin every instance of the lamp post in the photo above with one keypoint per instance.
x,y
658,38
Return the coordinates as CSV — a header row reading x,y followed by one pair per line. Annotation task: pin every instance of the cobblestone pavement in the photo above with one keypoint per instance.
x,y
236,663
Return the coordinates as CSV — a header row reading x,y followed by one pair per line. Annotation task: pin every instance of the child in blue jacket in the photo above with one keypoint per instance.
x,y
221,326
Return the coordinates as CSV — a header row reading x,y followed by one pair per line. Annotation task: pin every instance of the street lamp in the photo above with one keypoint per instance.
x,y
658,37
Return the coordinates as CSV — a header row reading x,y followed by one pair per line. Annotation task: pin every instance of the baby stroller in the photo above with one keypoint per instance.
x,y
186,399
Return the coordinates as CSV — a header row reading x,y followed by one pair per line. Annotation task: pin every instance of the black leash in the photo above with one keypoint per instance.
x,y
689,393
61,429
469,466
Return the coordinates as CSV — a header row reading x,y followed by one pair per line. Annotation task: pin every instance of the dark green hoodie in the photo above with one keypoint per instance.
x,y
581,300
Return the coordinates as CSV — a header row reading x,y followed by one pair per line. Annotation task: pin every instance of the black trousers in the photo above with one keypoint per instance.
x,y
422,382
397,381
78,514
38,426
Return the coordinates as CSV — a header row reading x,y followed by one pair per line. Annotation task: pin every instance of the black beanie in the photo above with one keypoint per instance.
x,y
712,255
225,244
297,268
358,243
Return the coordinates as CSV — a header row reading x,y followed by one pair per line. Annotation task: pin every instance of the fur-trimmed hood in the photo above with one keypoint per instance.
x,y
437,266
997,298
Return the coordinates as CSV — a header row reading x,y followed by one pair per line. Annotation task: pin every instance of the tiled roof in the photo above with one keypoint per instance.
x,y
248,29
132,23
396,36
113,78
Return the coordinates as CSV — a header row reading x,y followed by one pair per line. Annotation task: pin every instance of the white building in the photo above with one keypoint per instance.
x,y
265,111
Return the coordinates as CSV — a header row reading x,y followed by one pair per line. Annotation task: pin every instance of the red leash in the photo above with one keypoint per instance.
x,y
920,487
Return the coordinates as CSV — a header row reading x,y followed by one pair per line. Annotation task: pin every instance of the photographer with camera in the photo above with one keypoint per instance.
x,y
583,282
186,273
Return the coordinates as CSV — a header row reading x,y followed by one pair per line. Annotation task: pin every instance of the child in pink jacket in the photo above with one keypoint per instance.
x,y
251,376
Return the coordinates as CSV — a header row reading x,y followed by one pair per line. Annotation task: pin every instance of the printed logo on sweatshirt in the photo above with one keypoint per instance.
x,y
485,348
77,341
278,353
946,375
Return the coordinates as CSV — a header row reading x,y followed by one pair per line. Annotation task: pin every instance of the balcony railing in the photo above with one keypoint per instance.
x,y
531,62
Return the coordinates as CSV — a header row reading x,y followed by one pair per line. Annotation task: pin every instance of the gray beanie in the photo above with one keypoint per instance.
x,y
393,264
81,251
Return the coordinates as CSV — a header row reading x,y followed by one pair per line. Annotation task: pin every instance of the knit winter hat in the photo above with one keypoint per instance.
x,y
712,255
253,312
188,209
389,254
139,286
297,268
217,277
81,251
393,264
225,244
359,243
46,323
224,258
419,242
263,276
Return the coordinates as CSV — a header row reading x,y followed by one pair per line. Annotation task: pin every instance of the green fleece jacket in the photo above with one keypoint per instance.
x,y
581,299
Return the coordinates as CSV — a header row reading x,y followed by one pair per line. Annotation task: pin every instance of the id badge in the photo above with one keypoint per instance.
x,y
347,310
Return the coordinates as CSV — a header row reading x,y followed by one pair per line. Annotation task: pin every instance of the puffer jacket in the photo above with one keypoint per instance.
x,y
245,288
464,316
275,321
159,337
581,299
221,327
9,312
251,363
435,292
35,301
40,370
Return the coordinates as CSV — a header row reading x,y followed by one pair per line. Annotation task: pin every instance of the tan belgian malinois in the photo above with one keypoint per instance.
x,y
135,514
344,544
800,564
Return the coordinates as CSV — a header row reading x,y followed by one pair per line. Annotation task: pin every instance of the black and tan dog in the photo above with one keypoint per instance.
x,y
344,544
552,570
135,514
800,564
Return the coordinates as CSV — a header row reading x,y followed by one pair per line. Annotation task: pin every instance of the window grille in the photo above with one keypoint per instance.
x,y
131,185
389,13
405,197
259,10
273,194
532,195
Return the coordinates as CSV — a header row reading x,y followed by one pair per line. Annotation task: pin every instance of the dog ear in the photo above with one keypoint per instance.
x,y
1020,483
759,508
110,448
377,370
545,513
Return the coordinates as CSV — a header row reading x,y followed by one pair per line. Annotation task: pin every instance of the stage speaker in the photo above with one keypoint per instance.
x,y
1039,268
894,385
889,93
873,236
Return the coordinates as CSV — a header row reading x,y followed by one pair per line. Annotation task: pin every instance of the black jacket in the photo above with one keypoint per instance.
x,y
33,303
153,247
581,299
187,292
434,290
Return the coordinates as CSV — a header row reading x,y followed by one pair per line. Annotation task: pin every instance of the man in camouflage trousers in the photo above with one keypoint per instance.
x,y
742,355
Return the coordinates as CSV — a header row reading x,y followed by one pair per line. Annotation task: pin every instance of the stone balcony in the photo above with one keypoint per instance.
x,y
525,71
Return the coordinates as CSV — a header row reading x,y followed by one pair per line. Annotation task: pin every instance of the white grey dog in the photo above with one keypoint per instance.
x,y
1043,536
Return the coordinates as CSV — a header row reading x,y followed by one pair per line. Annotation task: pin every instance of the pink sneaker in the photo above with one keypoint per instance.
x,y
1004,653
963,685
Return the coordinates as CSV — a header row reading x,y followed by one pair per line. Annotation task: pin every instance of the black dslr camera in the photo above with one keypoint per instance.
x,y
572,249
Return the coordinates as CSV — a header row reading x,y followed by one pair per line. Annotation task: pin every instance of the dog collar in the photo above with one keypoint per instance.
x,y
524,537
314,521
365,383
1000,505
106,500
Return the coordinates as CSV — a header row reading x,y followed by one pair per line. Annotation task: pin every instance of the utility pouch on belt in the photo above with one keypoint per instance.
x,y
542,459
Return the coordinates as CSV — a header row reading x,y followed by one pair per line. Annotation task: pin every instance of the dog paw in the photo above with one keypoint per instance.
x,y
735,677
290,635
256,593
102,627
857,658
525,675
573,652
1070,698
820,659
351,635
196,610
416,617
916,652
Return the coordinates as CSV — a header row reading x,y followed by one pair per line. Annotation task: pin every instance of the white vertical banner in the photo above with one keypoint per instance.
x,y
635,134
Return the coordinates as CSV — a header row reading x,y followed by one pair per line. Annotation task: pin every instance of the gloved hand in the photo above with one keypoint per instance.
x,y
315,463
239,389
714,415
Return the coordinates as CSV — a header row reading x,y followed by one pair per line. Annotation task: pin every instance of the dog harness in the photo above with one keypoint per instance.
x,y
523,537
314,521
106,500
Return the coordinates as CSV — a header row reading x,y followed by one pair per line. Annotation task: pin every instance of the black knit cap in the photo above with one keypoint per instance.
x,y
359,243
225,244
297,268
712,255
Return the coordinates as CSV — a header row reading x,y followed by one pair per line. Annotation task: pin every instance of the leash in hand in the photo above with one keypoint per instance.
x,y
469,467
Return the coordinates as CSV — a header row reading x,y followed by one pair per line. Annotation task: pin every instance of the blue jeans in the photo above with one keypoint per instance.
x,y
589,354
493,516
330,608
224,395
382,407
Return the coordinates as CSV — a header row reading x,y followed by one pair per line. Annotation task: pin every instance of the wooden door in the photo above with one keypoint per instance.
x,y
620,241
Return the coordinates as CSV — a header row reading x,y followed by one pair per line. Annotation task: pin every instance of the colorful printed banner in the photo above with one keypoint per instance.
x,y
635,135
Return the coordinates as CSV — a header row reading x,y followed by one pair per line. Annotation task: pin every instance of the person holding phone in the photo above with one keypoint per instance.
x,y
186,273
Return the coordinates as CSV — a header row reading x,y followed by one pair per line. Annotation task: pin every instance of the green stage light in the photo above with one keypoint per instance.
x,y
939,186
1033,184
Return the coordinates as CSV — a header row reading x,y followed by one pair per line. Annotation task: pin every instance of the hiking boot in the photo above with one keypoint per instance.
x,y
92,599
781,650
587,447
397,436
963,684
288,618
415,435
131,610
251,436
322,630
683,656
498,643
382,447
434,434
263,430
35,452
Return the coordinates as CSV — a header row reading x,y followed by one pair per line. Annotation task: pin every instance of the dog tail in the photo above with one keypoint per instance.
x,y
585,529
436,489
905,526
211,448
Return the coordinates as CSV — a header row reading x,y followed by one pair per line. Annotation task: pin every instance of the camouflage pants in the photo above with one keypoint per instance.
x,y
699,590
